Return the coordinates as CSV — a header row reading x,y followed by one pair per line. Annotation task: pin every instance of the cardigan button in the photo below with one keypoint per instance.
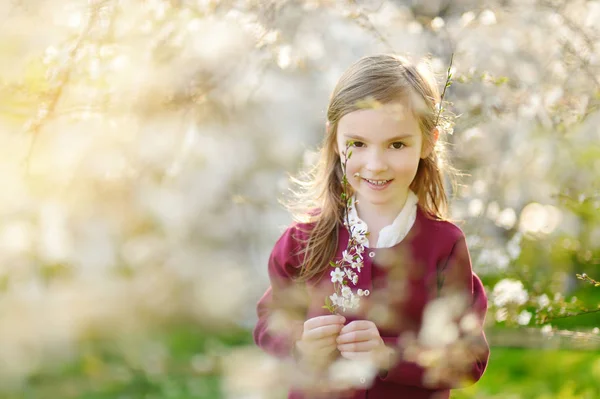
x,y
371,254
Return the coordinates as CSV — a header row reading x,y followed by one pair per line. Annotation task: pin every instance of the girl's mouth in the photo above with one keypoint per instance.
x,y
378,184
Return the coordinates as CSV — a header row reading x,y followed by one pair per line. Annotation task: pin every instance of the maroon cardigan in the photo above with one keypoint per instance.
x,y
431,260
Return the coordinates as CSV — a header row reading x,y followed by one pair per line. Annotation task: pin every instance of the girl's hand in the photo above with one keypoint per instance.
x,y
360,340
318,340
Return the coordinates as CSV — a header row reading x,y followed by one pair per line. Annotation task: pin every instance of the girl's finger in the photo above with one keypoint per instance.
x,y
324,343
357,336
355,355
321,321
365,346
357,325
322,332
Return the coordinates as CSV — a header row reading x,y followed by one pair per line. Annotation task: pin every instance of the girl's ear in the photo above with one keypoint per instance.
x,y
428,147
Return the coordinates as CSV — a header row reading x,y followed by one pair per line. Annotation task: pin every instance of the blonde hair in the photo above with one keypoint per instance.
x,y
376,79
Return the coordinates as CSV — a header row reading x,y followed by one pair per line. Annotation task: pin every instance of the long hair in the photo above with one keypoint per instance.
x,y
377,79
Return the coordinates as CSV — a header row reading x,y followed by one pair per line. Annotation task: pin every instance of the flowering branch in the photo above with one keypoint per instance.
x,y
347,268
590,280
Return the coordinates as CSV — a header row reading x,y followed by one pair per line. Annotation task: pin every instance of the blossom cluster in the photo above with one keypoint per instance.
x,y
347,269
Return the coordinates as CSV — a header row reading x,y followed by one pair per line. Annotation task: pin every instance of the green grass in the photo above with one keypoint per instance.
x,y
539,374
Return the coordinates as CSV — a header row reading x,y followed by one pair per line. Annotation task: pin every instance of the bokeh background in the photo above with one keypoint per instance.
x,y
145,145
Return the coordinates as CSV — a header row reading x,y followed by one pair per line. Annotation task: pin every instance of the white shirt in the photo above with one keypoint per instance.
x,y
394,233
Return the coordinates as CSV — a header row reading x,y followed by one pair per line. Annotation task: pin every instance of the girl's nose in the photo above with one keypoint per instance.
x,y
376,163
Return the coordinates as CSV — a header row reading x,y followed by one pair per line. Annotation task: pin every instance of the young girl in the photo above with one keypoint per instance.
x,y
373,272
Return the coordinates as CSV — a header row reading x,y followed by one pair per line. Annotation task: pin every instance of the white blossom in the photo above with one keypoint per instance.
x,y
336,299
547,329
337,275
469,323
509,291
347,257
357,265
543,301
501,314
362,239
346,292
524,318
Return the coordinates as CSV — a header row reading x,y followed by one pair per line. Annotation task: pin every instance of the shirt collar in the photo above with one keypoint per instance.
x,y
394,233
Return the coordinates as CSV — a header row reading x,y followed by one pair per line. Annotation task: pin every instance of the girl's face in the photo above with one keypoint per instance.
x,y
386,152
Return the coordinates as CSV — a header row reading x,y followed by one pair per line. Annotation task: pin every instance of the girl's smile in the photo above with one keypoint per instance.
x,y
378,185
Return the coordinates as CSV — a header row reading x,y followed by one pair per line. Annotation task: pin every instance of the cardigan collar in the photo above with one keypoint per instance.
x,y
394,233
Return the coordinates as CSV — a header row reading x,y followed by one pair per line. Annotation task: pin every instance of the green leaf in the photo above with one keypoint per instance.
x,y
349,154
332,263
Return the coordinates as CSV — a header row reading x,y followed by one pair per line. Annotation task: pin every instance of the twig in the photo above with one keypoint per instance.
x,y
571,315
369,25
446,85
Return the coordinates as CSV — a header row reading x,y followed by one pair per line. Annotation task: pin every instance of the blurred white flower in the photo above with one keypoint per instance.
x,y
249,373
284,57
547,329
501,314
438,327
466,18
524,318
437,23
346,292
507,218
543,301
508,291
336,299
470,323
537,218
345,373
475,207
487,17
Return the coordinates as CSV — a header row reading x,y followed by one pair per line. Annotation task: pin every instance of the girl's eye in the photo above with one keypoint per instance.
x,y
357,144
397,145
